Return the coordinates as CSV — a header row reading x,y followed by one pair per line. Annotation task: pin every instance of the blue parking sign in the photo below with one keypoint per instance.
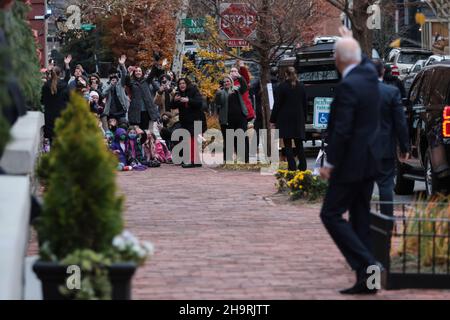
x,y
321,112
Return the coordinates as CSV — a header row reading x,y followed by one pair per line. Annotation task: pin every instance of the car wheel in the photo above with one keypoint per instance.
x,y
403,186
431,181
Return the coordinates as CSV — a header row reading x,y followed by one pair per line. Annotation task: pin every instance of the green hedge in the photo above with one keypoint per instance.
x,y
22,54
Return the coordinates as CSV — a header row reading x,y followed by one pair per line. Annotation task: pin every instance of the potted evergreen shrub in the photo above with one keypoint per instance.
x,y
81,222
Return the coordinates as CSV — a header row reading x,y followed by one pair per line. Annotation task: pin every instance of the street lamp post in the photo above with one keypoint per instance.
x,y
90,27
177,65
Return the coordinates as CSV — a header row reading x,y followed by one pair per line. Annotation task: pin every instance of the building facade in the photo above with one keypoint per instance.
x,y
38,21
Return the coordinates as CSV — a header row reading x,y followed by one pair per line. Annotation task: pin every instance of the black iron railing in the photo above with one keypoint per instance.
x,y
413,244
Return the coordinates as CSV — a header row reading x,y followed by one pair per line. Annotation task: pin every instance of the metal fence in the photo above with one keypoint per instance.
x,y
413,244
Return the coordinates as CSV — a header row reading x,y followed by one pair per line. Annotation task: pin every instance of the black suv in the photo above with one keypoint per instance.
x,y
316,69
428,116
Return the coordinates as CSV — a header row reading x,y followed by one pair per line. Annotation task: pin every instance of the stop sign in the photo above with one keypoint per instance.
x,y
237,20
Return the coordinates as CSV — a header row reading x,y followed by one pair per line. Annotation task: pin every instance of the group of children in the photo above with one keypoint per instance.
x,y
136,149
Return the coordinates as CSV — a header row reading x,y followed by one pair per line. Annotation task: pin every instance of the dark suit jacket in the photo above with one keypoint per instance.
x,y
289,111
393,125
353,127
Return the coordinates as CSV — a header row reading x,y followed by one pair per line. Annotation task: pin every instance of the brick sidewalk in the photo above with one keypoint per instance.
x,y
217,236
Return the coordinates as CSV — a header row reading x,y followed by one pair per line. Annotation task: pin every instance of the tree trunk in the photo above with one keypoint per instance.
x,y
177,65
359,26
264,61
265,79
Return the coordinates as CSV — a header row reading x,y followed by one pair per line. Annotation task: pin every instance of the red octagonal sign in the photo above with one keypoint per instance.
x,y
237,20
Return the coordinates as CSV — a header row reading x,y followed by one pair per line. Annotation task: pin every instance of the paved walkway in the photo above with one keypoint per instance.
x,y
218,236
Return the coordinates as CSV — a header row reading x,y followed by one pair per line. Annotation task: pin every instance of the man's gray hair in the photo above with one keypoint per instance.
x,y
348,50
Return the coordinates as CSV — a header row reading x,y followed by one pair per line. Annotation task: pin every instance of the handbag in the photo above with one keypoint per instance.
x,y
320,160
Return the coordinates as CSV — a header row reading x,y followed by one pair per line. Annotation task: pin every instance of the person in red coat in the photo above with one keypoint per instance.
x,y
236,74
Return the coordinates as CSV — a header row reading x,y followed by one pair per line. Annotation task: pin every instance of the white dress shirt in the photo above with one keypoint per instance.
x,y
349,69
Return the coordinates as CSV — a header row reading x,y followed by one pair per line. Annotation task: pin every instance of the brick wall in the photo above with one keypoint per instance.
x,y
38,8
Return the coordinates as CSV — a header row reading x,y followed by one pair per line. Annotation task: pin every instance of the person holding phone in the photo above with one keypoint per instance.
x,y
165,94
189,101
239,73
117,102
95,84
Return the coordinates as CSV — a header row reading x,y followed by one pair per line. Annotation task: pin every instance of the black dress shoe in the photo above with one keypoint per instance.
x,y
188,165
359,288
361,282
198,165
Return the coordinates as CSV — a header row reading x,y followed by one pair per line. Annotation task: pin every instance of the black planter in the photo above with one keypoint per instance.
x,y
53,275
402,273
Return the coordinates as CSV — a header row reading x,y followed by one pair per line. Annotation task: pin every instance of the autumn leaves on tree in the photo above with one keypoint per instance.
x,y
137,28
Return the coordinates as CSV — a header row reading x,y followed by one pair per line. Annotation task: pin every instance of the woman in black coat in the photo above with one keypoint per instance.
x,y
142,111
189,102
55,95
289,117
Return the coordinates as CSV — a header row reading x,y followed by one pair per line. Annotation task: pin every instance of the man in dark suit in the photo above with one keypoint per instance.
x,y
352,162
393,128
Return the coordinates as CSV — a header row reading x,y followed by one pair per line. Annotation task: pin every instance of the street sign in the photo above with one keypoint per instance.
x,y
194,26
237,43
237,20
193,23
321,112
195,30
87,26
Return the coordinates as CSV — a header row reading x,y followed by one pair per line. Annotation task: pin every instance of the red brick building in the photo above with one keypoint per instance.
x,y
330,21
36,17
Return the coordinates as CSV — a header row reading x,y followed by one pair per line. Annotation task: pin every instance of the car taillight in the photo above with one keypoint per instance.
x,y
395,71
446,122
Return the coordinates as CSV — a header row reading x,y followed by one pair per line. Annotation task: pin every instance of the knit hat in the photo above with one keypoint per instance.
x,y
94,94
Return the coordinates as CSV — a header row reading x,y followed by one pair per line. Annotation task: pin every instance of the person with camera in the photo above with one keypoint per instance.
x,y
79,78
238,73
189,101
169,123
165,94
157,69
95,84
116,98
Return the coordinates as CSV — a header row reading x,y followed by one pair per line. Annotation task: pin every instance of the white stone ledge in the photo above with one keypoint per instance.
x,y
20,154
14,219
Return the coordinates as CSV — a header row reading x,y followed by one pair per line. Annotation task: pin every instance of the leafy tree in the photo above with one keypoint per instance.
x,y
356,11
277,26
4,98
137,28
208,75
83,45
